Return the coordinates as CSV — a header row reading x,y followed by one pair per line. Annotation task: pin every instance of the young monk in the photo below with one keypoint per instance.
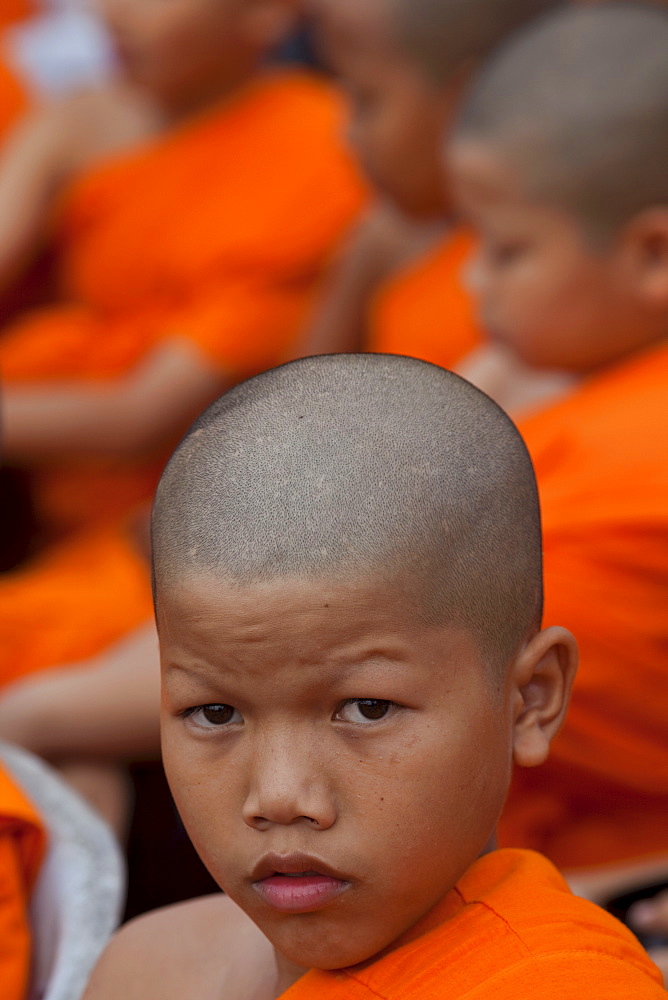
x,y
404,63
186,261
559,158
348,602
22,843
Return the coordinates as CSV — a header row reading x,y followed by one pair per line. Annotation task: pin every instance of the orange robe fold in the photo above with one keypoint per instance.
x,y
83,594
601,462
15,10
14,99
511,930
22,844
424,309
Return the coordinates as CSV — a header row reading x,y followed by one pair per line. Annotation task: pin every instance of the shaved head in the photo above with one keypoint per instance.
x,y
578,106
444,35
358,469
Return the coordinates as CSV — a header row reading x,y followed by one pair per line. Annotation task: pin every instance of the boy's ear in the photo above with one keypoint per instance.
x,y
542,677
645,248
269,22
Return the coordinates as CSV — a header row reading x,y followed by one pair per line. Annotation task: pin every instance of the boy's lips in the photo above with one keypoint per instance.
x,y
296,883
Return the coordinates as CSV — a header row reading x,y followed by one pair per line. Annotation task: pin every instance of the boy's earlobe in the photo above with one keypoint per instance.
x,y
542,678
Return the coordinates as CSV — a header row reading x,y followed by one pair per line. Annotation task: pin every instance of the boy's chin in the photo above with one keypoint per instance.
x,y
315,949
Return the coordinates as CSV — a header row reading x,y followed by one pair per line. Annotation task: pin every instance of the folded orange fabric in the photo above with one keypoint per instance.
x,y
22,845
424,309
600,458
217,232
78,597
509,929
14,99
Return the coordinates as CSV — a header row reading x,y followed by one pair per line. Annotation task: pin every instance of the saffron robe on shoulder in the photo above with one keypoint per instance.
x,y
424,309
217,232
510,929
600,459
22,845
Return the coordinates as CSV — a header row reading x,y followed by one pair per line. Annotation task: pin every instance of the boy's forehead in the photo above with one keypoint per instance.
x,y
328,623
321,602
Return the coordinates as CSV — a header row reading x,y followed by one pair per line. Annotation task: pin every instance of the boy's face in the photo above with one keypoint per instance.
x,y
178,49
546,290
397,115
319,731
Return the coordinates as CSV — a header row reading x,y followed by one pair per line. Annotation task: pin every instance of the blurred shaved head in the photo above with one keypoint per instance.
x,y
358,469
443,35
578,106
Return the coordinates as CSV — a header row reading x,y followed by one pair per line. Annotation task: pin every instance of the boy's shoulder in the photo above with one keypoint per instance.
x,y
204,947
516,930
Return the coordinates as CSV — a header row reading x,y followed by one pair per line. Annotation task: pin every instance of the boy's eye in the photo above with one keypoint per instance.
x,y
363,710
213,716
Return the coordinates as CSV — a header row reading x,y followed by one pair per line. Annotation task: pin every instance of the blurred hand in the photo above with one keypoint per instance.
x,y
651,916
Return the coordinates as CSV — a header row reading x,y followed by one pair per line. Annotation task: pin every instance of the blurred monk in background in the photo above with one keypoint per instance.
x,y
403,276
559,159
193,207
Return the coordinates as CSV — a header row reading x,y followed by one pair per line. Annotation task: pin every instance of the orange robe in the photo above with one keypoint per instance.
x,y
82,594
15,10
424,309
601,458
511,930
13,98
217,232
22,843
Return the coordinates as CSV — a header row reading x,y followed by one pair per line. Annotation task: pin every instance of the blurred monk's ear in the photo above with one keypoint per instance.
x,y
268,22
644,248
542,677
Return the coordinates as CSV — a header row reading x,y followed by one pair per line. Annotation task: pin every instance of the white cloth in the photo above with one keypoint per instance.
x,y
62,49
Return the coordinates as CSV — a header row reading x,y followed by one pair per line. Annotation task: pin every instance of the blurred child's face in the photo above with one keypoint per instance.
x,y
337,765
182,49
397,114
546,288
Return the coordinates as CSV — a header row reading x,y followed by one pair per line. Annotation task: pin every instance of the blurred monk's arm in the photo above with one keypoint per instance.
x,y
44,150
104,708
126,416
31,170
372,252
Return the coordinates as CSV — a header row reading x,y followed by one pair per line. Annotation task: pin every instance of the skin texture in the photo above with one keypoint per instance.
x,y
548,292
397,114
399,805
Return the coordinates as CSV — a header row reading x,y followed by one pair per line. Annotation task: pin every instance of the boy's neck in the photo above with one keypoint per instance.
x,y
287,974
181,108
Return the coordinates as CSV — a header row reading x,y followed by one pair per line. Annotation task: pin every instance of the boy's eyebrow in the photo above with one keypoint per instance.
x,y
399,654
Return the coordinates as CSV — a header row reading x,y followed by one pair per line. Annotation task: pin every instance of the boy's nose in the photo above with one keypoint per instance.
x,y
286,787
